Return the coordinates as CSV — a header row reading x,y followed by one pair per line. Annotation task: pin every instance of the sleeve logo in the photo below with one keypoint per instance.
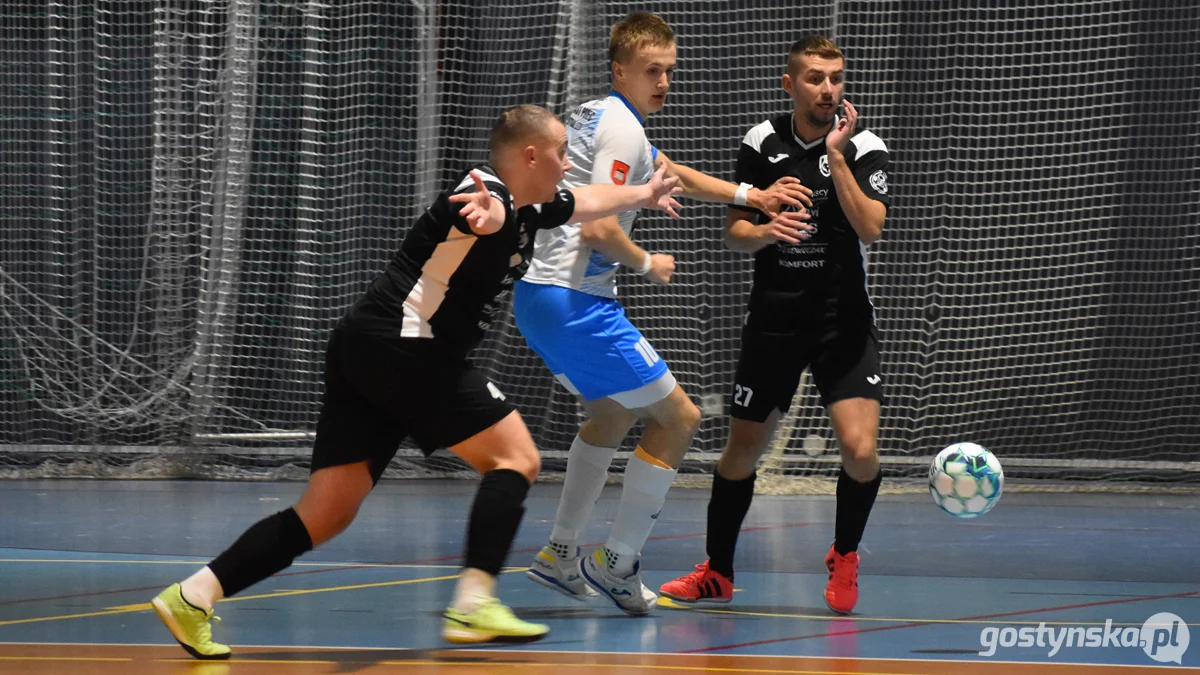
x,y
879,182
620,172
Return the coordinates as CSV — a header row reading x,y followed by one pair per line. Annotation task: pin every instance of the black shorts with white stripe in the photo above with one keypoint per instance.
x,y
379,392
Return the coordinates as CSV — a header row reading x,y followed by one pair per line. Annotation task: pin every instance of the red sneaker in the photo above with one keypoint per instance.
x,y
703,585
841,593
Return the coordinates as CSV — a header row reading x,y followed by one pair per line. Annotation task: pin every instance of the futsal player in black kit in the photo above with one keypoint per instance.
x,y
809,308
396,367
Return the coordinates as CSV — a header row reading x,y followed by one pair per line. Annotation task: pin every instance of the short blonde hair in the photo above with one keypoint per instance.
x,y
637,30
813,45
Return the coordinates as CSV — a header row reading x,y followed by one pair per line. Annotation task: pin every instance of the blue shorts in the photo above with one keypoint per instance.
x,y
590,346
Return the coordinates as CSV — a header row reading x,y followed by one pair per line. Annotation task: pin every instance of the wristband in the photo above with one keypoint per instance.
x,y
645,268
743,191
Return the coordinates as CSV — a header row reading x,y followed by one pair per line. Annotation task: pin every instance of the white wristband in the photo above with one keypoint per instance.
x,y
743,191
645,268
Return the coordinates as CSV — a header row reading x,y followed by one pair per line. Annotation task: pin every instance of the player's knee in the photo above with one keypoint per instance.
x,y
858,450
687,417
745,446
523,459
747,441
327,522
737,464
675,415
694,416
331,500
530,465
342,520
742,447
682,419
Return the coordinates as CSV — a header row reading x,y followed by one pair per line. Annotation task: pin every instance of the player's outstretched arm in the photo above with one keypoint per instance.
x,y
599,200
786,191
605,235
743,236
483,212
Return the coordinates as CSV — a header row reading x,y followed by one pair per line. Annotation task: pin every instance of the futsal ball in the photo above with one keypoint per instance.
x,y
966,480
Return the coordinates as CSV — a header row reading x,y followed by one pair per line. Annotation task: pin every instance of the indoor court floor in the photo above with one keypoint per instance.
x,y
80,560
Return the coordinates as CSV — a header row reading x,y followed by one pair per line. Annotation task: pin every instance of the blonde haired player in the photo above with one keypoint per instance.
x,y
567,309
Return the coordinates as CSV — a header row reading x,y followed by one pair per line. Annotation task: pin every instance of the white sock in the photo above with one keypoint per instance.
x,y
587,471
202,589
642,499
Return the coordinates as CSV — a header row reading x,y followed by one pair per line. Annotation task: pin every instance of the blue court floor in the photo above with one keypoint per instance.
x,y
79,560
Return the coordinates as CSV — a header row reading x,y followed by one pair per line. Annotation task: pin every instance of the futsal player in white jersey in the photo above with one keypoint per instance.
x,y
567,309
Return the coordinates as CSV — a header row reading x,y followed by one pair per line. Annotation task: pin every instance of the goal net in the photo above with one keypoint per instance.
x,y
195,190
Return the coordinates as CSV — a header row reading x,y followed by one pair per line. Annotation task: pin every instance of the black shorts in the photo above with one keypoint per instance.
x,y
378,392
844,364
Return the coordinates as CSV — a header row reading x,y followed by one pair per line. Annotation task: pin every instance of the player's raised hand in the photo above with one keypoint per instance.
x,y
842,131
662,266
477,208
786,191
790,227
661,189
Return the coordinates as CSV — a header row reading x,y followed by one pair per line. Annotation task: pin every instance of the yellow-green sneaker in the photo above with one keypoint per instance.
x,y
189,624
492,621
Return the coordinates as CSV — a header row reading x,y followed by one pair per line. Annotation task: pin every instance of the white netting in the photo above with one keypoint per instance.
x,y
195,190
1035,279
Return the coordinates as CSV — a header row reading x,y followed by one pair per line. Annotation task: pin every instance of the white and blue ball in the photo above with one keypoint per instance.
x,y
966,480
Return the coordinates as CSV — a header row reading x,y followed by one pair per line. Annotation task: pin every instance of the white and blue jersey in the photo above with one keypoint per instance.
x,y
566,304
605,144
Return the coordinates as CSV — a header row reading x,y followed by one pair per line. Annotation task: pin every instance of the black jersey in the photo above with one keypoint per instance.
x,y
444,282
825,274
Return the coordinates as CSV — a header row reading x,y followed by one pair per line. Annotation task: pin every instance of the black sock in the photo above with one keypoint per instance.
x,y
495,517
726,510
854,502
269,546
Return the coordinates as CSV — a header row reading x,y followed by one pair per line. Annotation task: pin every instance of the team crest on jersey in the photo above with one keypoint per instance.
x,y
823,165
879,182
620,172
